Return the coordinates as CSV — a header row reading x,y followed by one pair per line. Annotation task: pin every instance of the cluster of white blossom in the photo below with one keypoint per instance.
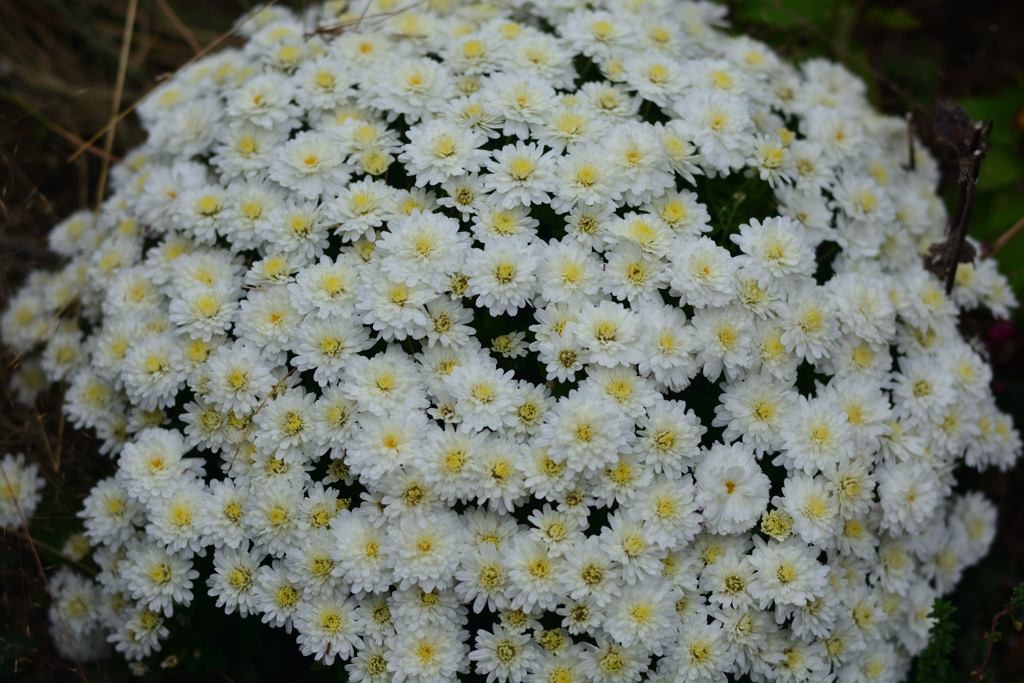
x,y
415,324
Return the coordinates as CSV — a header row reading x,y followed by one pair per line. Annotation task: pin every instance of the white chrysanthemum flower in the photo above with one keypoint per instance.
x,y
325,346
731,488
502,655
386,383
312,164
726,338
909,495
20,491
626,542
223,521
425,248
284,426
176,519
812,507
533,575
568,274
267,318
815,436
272,515
921,390
702,654
275,596
702,272
415,87
467,194
110,514
482,579
521,174
502,276
719,123
358,554
296,227
644,613
484,396
265,101
233,580
440,149
669,438
312,565
159,579
432,654
522,101
753,409
379,445
586,433
424,551
327,628
787,573
138,633
153,465
633,275
360,207
775,252
636,151
325,288
154,371
668,510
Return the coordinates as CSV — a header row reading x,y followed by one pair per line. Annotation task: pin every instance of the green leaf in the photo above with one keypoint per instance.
x,y
786,13
1002,109
1000,169
933,664
897,19
995,212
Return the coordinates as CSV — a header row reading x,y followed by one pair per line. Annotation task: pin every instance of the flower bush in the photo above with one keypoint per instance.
x,y
547,341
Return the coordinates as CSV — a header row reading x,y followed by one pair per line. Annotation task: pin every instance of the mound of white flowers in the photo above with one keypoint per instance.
x,y
555,342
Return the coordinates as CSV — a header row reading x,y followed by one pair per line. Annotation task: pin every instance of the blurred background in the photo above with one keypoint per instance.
x,y
58,67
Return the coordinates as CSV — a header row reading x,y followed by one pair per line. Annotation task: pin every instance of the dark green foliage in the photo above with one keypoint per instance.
x,y
933,664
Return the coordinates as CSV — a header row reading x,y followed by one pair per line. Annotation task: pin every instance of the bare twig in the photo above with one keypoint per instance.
x,y
1007,237
50,549
46,439
954,127
198,55
911,157
43,119
991,637
179,26
115,105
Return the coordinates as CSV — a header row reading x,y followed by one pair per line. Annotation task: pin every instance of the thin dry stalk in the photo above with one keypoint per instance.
x,y
42,573
115,105
139,101
1007,237
179,26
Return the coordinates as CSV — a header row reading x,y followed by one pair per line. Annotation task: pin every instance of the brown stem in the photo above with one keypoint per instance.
x,y
956,241
1007,237
911,157
42,574
979,673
